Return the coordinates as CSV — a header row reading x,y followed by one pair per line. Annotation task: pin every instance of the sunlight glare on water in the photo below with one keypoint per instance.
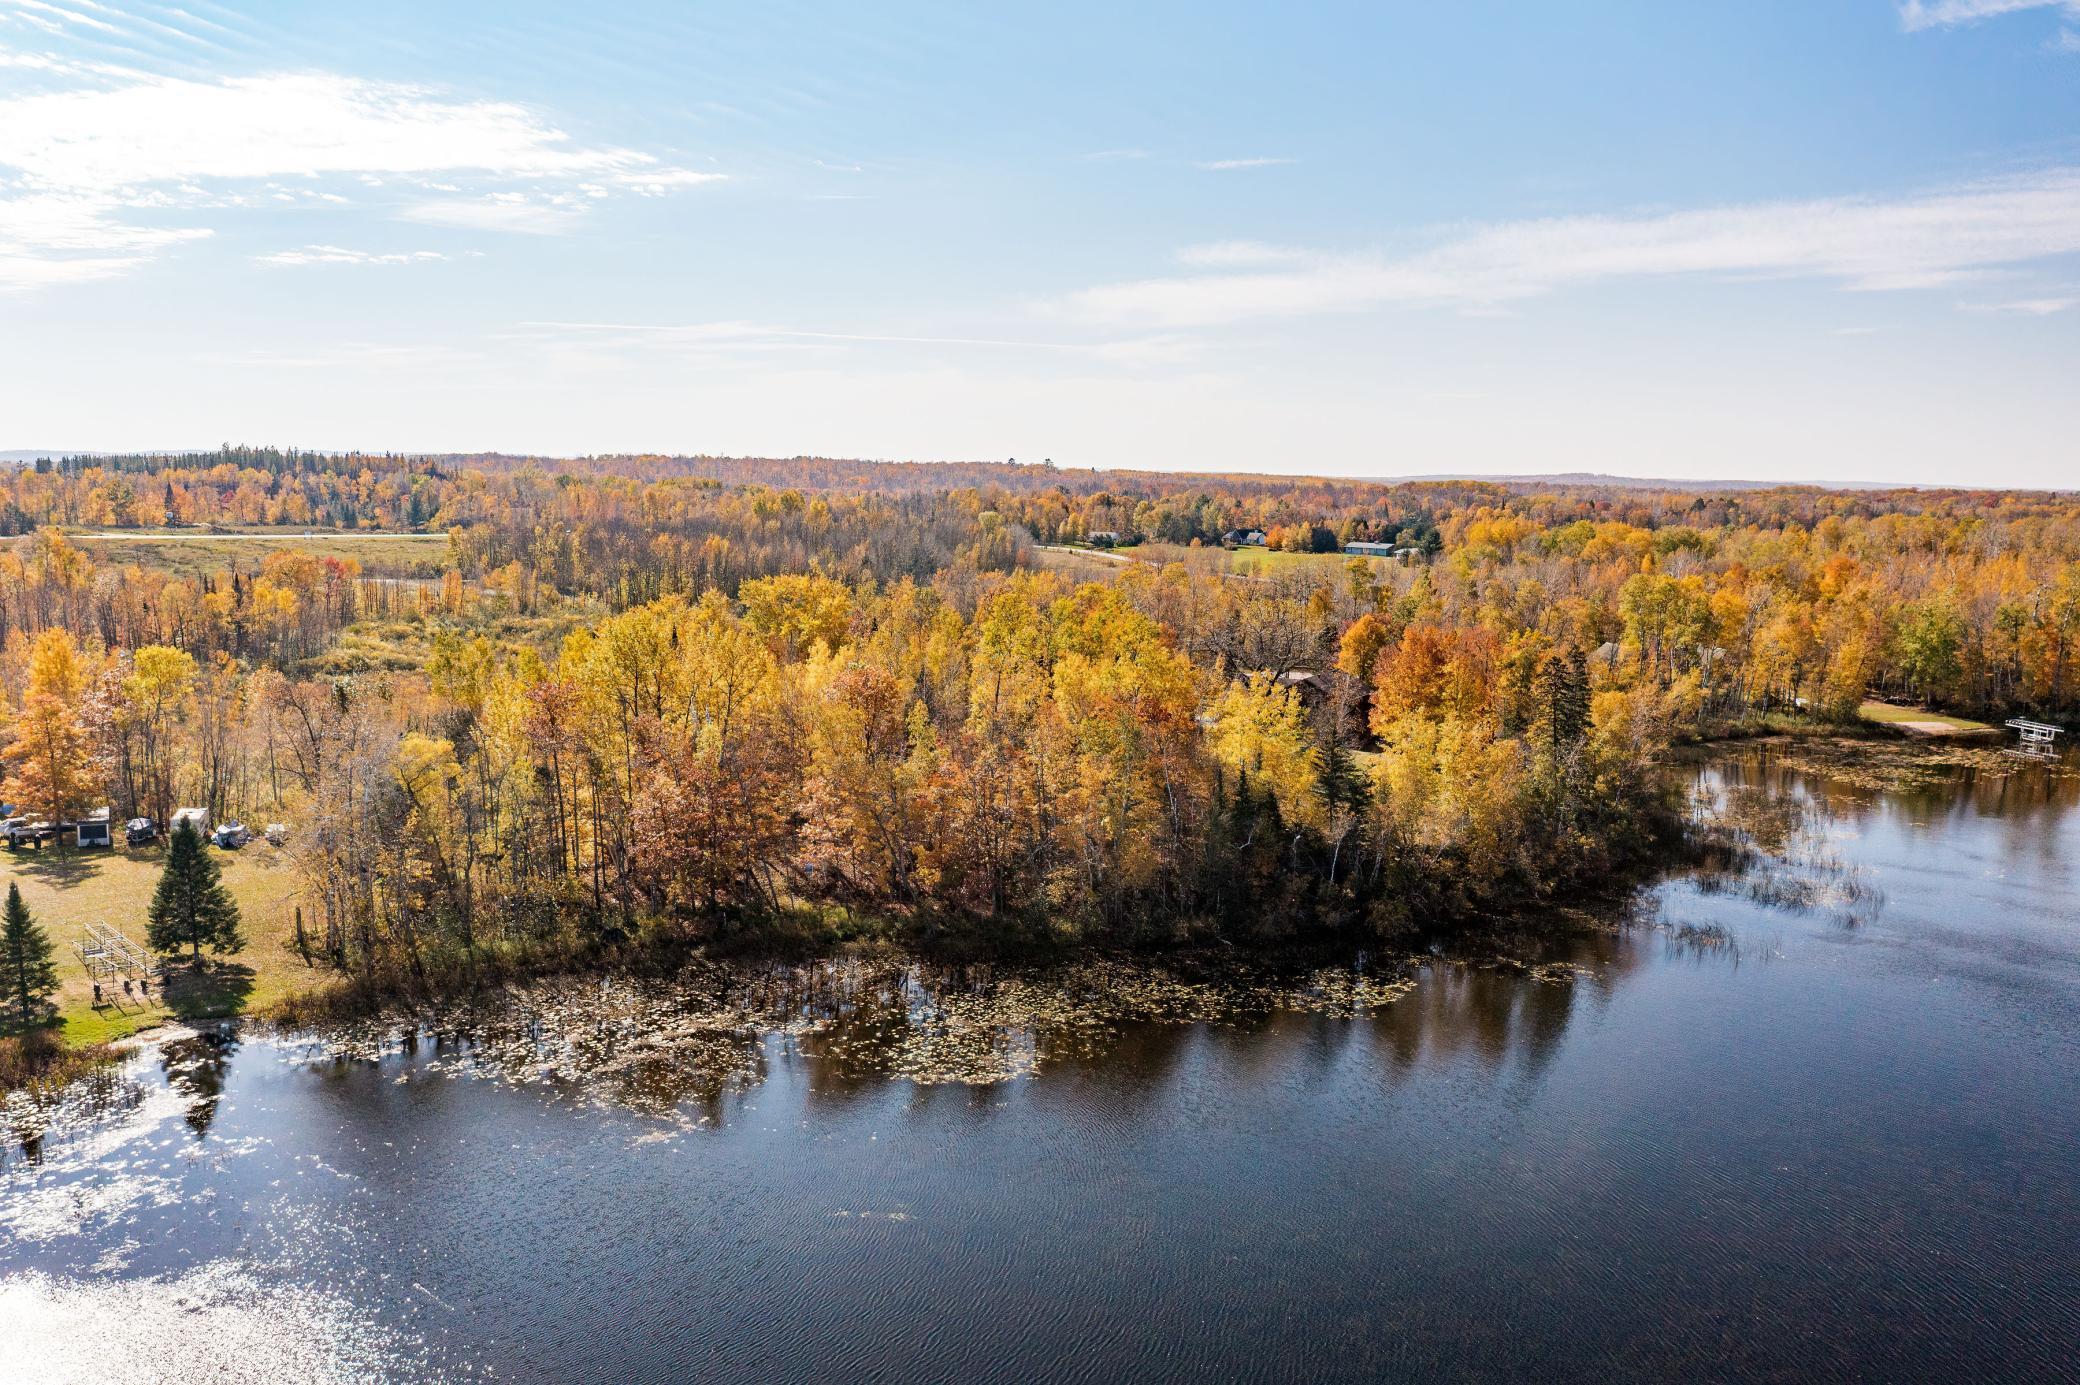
x,y
1810,1106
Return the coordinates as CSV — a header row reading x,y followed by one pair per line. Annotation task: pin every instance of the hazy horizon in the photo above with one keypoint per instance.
x,y
1755,242
1640,479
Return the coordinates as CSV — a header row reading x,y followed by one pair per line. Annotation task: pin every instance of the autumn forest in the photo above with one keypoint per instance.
x,y
718,698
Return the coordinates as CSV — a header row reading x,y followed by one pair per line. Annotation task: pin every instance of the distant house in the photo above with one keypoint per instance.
x,y
1371,550
1306,684
1254,538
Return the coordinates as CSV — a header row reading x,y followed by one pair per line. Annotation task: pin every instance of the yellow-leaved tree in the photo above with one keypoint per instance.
x,y
1261,730
156,695
55,768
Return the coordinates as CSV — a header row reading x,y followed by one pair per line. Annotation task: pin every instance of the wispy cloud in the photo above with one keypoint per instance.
x,y
1231,165
2023,307
1859,243
1916,15
109,148
754,331
605,342
50,238
1238,254
166,130
516,213
336,254
60,15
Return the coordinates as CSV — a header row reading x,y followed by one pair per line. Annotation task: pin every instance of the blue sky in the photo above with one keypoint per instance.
x,y
1826,239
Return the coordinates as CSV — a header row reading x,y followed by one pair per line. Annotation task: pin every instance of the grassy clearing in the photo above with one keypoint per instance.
x,y
1082,564
1270,562
401,645
192,553
1913,719
70,890
1264,562
1243,562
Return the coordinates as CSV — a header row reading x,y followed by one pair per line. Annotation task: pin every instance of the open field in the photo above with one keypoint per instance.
x,y
1083,564
1252,562
66,891
1270,562
1922,723
195,553
1097,563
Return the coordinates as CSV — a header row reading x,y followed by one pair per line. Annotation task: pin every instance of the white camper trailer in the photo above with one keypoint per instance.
x,y
197,818
94,829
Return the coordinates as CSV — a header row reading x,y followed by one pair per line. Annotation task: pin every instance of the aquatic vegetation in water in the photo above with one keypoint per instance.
x,y
653,1044
1770,845
1901,766
31,1113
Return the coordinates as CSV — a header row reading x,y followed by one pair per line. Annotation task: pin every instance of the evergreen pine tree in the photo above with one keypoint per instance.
x,y
1578,699
1562,691
191,907
1342,784
25,954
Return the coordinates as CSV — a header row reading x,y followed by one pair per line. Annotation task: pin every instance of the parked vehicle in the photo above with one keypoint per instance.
x,y
232,835
277,833
140,832
29,832
197,818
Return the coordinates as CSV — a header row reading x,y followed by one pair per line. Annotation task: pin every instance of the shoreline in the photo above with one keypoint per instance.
x,y
1522,926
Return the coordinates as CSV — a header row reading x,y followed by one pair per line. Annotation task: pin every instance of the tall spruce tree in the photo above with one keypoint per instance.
x,y
25,953
1342,785
1562,691
191,908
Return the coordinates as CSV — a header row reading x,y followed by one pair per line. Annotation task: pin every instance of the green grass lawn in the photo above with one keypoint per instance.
x,y
66,891
1887,714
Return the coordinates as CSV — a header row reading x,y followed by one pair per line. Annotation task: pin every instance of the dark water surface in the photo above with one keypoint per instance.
x,y
1813,1112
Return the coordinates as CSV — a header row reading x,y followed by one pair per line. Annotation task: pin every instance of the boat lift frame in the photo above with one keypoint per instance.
x,y
107,953
2038,739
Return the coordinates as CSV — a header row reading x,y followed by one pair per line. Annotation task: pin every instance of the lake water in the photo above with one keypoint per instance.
x,y
1811,1109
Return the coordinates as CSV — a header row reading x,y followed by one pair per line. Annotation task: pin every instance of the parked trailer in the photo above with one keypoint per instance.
x,y
95,829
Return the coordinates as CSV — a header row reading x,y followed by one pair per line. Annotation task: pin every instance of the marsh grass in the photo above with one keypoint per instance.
x,y
39,1065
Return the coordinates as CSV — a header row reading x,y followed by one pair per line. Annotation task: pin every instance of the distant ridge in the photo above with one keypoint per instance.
x,y
1654,483
920,474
